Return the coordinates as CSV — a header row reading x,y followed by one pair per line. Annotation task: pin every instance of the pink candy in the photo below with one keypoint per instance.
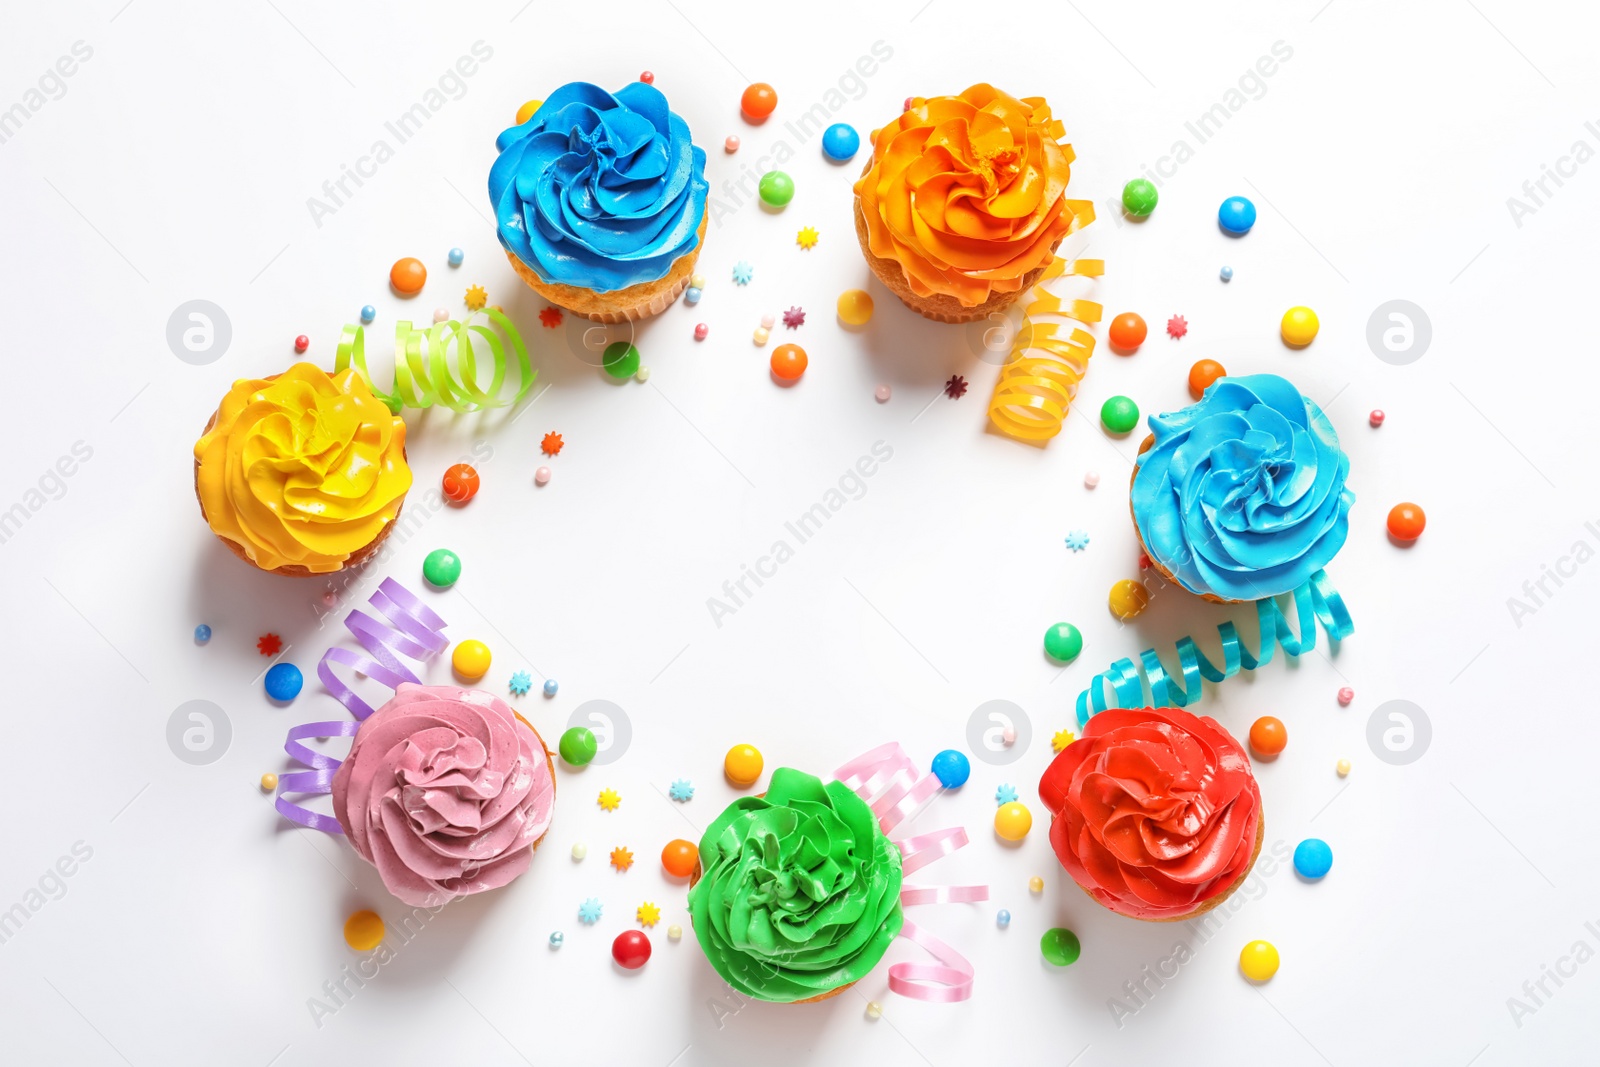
x,y
1346,695
700,331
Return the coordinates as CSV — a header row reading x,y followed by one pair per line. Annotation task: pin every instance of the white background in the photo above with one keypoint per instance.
x,y
177,166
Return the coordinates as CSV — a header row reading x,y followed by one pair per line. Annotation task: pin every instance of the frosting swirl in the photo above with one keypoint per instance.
x,y
1243,495
966,193
444,791
302,469
1156,811
599,190
799,892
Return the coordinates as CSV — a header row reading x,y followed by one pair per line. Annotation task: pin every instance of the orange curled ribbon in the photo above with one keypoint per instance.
x,y
1041,376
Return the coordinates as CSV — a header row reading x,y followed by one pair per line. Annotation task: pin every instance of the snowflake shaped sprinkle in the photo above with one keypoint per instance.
x,y
550,317
609,799
1061,739
589,911
477,296
956,387
794,318
1005,794
743,272
1077,540
807,238
551,445
621,858
682,790
521,682
269,644
1177,326
648,914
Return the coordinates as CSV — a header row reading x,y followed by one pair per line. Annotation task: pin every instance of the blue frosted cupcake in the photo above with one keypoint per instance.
x,y
600,201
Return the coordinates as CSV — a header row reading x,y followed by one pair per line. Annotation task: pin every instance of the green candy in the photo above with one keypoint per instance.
x,y
1139,198
441,568
1119,414
1063,642
1060,946
776,188
621,359
578,746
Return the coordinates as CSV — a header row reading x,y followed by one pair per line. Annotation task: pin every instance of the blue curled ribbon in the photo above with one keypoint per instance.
x,y
1315,602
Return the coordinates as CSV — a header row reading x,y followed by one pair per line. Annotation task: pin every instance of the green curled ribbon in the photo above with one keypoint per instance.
x,y
423,374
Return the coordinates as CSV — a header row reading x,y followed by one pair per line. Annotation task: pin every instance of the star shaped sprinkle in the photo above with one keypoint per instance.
x,y
589,910
956,387
648,914
1077,540
1005,794
807,238
621,858
609,799
477,296
551,445
794,318
269,644
1177,326
682,790
1061,739
521,682
743,272
550,317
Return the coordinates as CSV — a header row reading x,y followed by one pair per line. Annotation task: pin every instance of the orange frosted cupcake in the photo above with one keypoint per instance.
x,y
964,202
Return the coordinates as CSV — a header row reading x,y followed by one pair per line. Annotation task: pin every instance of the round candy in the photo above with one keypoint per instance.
x,y
952,768
1268,736
269,782
1258,961
368,313
1227,274
550,687
697,280
460,483
840,142
692,295
768,321
700,331
742,765
557,939
1013,821
730,145
788,362
674,932
1063,642
441,314
874,1010
363,931
1312,858
759,336
471,659
883,393
758,101
1236,215
525,112
1003,918
631,949
1128,598
455,257
284,681
541,476
1202,374
1299,326
578,746
679,857
855,307
202,633
1139,198
1119,414
1036,885
1091,479
1343,767
1127,331
776,188
1406,522
621,359
441,568
302,343
407,276
647,77
1376,418
1346,695
1060,946
580,850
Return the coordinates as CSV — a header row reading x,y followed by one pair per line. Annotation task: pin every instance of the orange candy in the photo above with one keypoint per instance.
x,y
679,858
789,362
460,483
1268,736
1127,332
407,276
1406,522
758,101
1202,374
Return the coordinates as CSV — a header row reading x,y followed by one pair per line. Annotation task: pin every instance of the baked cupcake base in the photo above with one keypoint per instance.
x,y
1155,564
636,302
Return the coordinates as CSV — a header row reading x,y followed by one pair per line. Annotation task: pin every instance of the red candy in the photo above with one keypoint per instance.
x,y
1406,522
1128,331
460,483
302,343
647,78
631,949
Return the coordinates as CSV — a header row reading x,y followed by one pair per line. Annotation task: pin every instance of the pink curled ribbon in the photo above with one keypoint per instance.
x,y
892,786
416,632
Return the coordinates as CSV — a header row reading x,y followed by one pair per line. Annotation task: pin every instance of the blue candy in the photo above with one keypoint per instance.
x,y
550,687
1004,918
202,633
1312,858
1227,274
456,256
692,295
369,313
1236,215
840,142
284,681
951,768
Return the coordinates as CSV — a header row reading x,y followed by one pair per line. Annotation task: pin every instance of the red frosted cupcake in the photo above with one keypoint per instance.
x,y
1156,812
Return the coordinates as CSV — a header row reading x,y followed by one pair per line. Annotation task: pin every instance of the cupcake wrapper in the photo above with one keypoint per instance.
x,y
636,302
1155,564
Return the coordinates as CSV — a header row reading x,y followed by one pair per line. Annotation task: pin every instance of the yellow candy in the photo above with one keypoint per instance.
x,y
269,782
742,765
1343,767
1258,961
1013,821
855,307
471,659
363,931
525,112
874,1010
1036,884
1128,598
1299,326
697,281
674,932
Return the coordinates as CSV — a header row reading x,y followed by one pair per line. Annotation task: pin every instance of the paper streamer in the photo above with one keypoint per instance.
x,y
1041,376
416,632
892,786
425,374
1316,602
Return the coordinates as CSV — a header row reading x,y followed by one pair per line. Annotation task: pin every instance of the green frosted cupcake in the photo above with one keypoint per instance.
x,y
798,891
